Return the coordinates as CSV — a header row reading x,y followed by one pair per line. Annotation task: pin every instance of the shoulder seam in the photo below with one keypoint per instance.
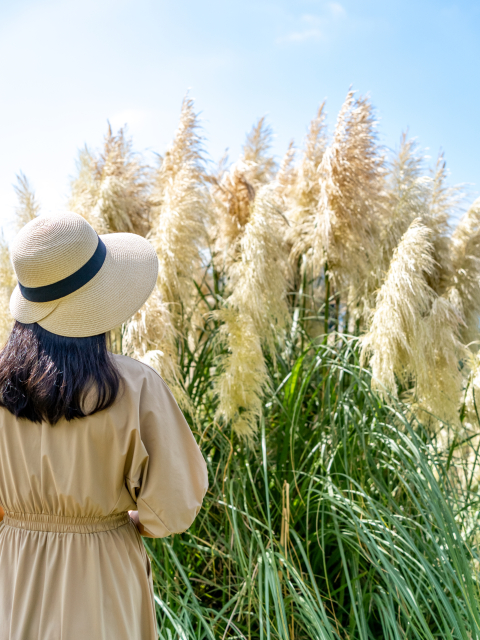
x,y
142,364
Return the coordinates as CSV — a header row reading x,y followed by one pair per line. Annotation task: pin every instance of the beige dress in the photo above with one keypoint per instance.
x,y
72,564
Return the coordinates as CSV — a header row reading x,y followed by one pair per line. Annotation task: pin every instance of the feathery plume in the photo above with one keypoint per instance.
x,y
251,239
396,332
257,155
443,202
257,312
440,390
287,174
338,225
150,336
306,192
465,282
7,284
179,214
26,210
112,190
413,334
472,398
28,207
178,235
414,194
258,279
243,375
233,191
352,192
407,195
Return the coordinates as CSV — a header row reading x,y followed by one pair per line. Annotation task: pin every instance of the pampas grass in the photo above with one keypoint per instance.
x,y
257,157
179,214
28,208
397,333
7,284
178,233
465,266
352,184
151,337
305,191
407,192
258,279
336,239
343,495
286,176
111,188
233,190
243,375
413,339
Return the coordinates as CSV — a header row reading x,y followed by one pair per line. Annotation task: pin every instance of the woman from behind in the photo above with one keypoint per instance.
x,y
93,448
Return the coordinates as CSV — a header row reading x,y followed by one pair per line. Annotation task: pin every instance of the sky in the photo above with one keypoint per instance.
x,y
67,67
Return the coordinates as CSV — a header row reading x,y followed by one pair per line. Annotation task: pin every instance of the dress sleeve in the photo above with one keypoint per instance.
x,y
166,474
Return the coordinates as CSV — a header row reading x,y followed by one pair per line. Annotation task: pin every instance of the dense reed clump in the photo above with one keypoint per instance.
x,y
318,323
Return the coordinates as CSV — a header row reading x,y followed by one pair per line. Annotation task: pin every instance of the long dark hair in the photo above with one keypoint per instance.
x,y
45,377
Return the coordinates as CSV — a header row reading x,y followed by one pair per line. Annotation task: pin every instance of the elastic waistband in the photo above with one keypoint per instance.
x,y
64,524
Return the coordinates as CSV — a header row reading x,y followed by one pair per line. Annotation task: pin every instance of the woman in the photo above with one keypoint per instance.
x,y
85,438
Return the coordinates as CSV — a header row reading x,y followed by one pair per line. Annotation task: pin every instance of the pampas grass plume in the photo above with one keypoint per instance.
x,y
27,208
233,190
243,375
111,190
352,190
258,279
465,261
306,189
179,214
413,334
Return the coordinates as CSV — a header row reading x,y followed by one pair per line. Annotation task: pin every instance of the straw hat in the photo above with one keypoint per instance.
x,y
75,283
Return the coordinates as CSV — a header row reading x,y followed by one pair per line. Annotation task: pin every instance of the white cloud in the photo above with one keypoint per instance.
x,y
337,10
318,25
302,36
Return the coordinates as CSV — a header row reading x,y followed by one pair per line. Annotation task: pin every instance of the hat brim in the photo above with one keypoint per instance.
x,y
115,293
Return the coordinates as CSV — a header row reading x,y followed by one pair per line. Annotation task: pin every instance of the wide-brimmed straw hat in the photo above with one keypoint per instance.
x,y
76,283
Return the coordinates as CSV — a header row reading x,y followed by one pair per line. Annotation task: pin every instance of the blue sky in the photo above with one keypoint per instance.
x,y
66,66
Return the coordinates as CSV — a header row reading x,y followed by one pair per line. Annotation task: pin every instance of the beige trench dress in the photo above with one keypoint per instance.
x,y
72,563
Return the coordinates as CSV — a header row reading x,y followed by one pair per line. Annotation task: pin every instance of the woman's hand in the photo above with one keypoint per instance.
x,y
136,521
2,513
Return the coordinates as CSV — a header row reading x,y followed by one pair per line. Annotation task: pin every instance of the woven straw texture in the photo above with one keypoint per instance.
x,y
51,248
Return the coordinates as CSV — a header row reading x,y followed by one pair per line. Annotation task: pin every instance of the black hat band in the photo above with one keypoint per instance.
x,y
69,284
